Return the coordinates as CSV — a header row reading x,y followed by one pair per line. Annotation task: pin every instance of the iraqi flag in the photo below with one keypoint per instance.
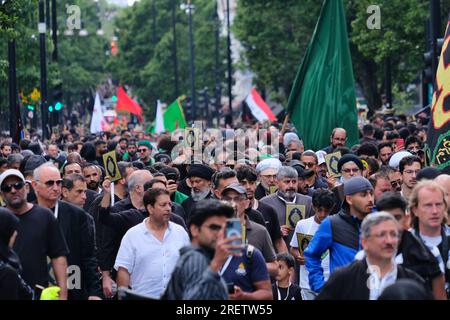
x,y
258,107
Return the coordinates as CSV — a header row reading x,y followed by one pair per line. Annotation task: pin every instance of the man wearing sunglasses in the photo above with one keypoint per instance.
x,y
145,152
39,234
78,229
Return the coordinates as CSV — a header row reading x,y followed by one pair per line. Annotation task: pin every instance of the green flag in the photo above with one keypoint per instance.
x,y
170,119
323,94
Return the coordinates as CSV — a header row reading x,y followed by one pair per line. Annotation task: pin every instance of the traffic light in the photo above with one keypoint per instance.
x,y
188,109
57,94
429,71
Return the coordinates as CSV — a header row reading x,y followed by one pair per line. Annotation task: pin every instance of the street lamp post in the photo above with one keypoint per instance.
x,y
14,111
43,63
218,86
189,7
174,46
54,32
229,117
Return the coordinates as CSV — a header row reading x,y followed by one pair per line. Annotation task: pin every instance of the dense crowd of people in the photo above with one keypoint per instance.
x,y
373,225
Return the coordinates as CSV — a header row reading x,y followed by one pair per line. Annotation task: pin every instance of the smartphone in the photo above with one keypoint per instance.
x,y
234,228
230,286
400,143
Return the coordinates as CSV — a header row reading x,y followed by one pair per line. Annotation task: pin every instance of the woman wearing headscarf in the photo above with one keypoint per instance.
x,y
12,286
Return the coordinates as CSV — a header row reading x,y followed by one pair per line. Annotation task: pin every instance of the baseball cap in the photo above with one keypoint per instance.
x,y
234,186
11,173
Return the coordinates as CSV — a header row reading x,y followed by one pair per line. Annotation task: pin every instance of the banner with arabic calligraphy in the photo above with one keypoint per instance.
x,y
438,141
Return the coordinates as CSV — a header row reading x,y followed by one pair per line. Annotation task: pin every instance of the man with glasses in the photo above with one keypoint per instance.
x,y
338,138
255,234
38,236
366,279
145,152
411,252
409,167
267,170
78,229
309,159
349,166
395,178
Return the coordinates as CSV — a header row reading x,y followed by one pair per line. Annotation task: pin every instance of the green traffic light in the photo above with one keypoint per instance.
x,y
30,107
50,108
114,98
58,106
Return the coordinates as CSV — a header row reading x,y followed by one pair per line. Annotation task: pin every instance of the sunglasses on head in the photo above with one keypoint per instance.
x,y
8,187
50,183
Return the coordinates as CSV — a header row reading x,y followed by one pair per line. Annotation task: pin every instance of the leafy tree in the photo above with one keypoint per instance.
x,y
275,35
147,67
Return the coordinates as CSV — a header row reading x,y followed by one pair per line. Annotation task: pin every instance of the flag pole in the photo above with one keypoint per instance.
x,y
286,120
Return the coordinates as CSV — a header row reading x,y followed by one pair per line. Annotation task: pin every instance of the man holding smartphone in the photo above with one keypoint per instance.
x,y
196,275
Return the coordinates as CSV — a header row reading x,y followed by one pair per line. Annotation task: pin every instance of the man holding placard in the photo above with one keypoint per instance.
x,y
323,201
289,205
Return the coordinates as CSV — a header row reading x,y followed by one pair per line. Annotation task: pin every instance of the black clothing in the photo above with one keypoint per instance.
x,y
255,216
271,221
116,224
260,192
94,212
293,292
91,195
179,211
12,286
39,236
418,258
350,282
79,232
189,204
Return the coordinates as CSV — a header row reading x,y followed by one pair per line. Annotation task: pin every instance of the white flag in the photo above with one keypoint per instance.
x,y
97,120
159,127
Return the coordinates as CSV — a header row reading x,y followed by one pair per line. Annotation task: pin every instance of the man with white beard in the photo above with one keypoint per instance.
x,y
199,179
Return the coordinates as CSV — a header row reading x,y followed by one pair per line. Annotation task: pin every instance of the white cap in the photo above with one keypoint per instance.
x,y
397,157
271,163
9,173
320,157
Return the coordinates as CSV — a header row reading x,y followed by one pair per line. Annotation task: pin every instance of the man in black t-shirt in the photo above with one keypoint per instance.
x,y
39,235
78,230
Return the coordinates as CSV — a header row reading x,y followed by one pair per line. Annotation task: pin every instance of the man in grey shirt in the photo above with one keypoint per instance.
x,y
287,179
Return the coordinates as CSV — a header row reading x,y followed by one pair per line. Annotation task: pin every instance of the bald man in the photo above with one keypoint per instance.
x,y
338,138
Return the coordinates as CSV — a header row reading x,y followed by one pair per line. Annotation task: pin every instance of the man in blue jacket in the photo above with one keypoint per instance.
x,y
340,233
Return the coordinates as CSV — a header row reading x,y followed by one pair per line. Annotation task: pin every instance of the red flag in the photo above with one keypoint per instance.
x,y
124,102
